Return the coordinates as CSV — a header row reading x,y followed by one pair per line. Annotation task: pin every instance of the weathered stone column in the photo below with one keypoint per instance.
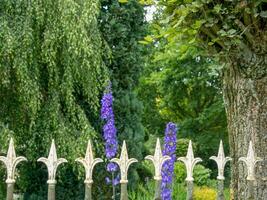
x,y
124,163
11,161
89,163
190,163
221,161
158,160
52,163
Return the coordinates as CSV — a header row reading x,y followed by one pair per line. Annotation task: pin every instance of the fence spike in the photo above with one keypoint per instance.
x,y
89,163
250,161
11,161
158,161
52,163
190,161
221,161
124,163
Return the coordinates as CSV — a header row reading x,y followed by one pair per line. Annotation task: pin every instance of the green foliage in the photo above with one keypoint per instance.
x,y
52,75
122,25
233,31
201,174
187,92
146,192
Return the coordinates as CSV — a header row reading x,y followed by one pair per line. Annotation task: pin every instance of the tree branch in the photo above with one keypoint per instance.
x,y
245,30
212,36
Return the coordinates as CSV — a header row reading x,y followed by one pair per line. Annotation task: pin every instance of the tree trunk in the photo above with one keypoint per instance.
x,y
246,107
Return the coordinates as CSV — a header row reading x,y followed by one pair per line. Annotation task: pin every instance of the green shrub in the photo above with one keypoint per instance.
x,y
201,174
179,172
182,146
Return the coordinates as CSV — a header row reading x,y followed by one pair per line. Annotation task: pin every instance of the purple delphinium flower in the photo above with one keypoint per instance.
x,y
168,167
109,129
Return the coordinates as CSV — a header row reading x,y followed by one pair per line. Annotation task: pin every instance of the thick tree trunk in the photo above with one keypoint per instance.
x,y
246,107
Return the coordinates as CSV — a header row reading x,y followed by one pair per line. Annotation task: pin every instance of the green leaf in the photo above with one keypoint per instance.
x,y
217,8
149,39
123,1
143,42
263,14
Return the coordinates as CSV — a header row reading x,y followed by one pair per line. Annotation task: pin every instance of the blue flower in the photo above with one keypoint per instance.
x,y
109,131
168,167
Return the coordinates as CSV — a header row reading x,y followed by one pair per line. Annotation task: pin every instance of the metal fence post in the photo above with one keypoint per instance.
x,y
89,163
52,163
250,161
124,163
11,161
190,163
221,161
158,161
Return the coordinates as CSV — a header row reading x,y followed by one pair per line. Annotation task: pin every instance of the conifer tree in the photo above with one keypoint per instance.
x,y
122,26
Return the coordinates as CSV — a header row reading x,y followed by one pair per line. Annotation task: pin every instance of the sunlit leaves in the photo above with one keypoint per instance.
x,y
123,1
213,23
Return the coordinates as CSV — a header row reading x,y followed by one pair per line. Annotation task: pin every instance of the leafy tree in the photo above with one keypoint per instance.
x,y
234,32
122,25
188,92
51,77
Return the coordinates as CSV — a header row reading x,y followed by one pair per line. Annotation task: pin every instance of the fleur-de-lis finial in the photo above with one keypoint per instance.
x,y
250,161
124,163
189,162
89,163
158,160
11,161
52,162
221,161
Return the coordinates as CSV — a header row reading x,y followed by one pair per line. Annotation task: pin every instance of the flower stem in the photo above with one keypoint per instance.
x,y
113,187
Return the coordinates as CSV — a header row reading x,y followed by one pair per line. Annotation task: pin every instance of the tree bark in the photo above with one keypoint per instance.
x,y
246,108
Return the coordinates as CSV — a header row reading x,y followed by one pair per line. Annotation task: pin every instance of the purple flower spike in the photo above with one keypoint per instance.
x,y
109,129
168,167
